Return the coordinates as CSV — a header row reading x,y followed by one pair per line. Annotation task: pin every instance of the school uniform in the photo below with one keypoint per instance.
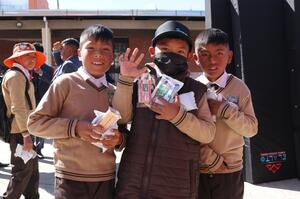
x,y
235,119
25,177
81,169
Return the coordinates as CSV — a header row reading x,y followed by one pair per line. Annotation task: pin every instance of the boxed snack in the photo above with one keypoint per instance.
x,y
166,88
108,121
144,89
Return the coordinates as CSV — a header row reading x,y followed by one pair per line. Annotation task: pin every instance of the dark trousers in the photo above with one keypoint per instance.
x,y
24,177
70,189
221,186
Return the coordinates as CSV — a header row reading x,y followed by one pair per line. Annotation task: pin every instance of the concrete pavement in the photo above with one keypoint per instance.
x,y
286,189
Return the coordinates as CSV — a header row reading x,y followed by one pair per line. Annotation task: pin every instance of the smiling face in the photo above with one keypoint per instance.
x,y
97,56
28,60
213,59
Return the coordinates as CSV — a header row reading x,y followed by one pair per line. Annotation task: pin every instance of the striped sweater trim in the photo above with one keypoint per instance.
x,y
70,128
224,110
228,81
181,119
214,162
125,82
67,173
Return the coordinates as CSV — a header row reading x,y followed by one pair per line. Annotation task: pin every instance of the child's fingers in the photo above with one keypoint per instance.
x,y
126,55
89,138
98,128
139,59
159,117
133,56
177,100
95,135
157,108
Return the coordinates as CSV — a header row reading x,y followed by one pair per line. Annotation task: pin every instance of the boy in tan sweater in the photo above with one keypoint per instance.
x,y
65,113
18,94
222,160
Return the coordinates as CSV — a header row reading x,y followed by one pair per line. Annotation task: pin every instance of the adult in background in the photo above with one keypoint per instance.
x,y
66,56
41,80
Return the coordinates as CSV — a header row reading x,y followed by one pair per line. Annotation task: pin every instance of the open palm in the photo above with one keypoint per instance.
x,y
129,65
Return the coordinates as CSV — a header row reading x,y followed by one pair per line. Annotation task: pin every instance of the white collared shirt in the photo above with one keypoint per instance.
x,y
24,70
96,81
221,81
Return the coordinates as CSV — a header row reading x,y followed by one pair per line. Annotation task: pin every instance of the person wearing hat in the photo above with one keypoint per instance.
x,y
161,157
65,55
18,93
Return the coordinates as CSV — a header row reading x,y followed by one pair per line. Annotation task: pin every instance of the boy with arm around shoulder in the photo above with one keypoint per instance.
x,y
222,160
65,114
162,150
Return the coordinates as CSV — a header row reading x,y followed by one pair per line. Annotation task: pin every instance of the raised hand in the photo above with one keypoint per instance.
x,y
57,46
129,65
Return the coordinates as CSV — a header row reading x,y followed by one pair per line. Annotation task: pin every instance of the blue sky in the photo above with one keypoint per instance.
x,y
128,4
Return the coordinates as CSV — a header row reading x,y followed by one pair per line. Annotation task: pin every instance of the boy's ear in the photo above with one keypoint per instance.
x,y
78,52
151,51
195,58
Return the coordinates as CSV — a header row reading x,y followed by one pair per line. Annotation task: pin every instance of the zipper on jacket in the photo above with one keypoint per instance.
x,y
149,160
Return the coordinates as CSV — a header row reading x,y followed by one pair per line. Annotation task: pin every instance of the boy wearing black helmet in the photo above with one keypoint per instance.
x,y
162,151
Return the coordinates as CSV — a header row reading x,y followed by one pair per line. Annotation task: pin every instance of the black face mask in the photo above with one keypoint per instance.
x,y
171,64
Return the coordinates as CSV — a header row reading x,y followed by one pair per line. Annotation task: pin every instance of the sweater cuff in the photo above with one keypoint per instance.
x,y
72,129
25,134
222,110
225,109
181,115
126,81
215,165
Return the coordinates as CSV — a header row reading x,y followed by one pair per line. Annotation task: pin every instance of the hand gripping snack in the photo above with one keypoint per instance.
x,y
108,121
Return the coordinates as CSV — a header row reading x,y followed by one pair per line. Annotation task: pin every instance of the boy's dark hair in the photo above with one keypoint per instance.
x,y
211,36
96,32
38,46
172,29
71,42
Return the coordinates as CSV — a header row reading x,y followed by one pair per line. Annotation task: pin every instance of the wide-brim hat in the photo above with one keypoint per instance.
x,y
23,49
172,29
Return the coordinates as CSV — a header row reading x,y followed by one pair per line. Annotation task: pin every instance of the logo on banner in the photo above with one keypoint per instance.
x,y
273,160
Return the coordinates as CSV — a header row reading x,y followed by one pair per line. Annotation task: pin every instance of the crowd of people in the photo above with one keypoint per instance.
x,y
189,146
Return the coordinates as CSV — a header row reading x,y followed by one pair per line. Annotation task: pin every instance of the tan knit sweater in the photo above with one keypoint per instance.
x,y
13,87
69,99
234,122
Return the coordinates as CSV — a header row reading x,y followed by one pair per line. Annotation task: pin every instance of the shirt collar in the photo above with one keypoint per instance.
x,y
97,81
221,81
24,70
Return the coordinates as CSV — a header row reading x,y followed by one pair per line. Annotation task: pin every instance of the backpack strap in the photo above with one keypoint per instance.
x,y
26,87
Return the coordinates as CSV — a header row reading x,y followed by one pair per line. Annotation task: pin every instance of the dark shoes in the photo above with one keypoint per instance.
x,y
3,165
40,155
